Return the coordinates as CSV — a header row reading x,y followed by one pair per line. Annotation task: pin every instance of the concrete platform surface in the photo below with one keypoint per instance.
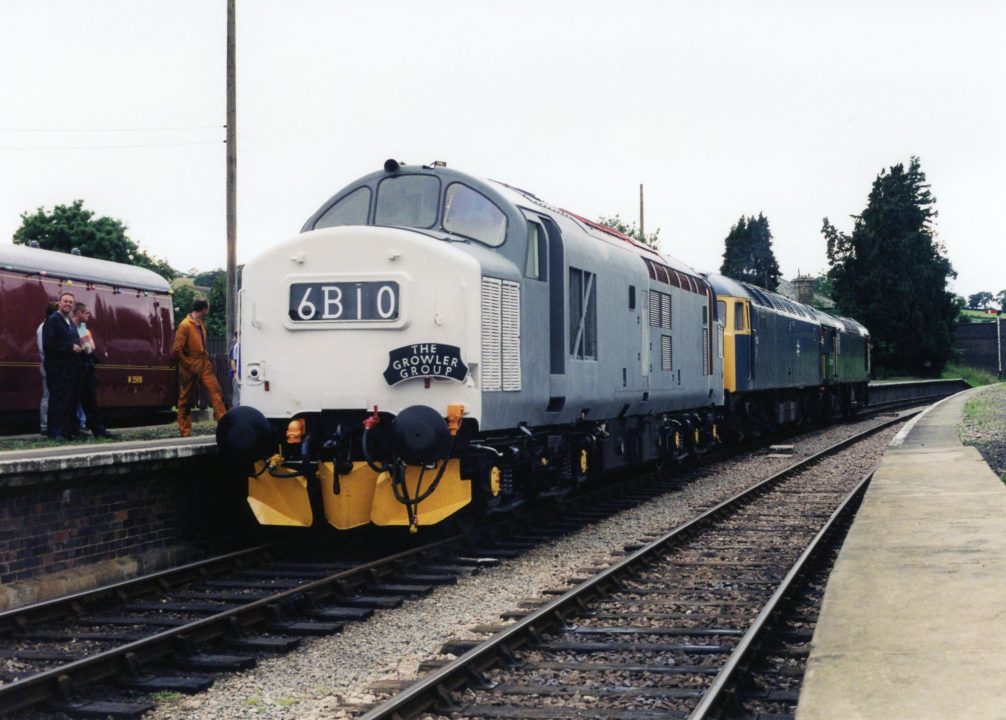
x,y
19,467
913,623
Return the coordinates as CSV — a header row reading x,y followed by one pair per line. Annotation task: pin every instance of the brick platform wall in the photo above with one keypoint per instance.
x,y
60,525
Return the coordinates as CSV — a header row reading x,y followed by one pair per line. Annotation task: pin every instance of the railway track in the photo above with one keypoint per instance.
x,y
693,624
98,654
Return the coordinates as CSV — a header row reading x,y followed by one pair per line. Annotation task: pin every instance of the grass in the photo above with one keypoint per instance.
x,y
978,315
983,426
151,432
974,376
162,696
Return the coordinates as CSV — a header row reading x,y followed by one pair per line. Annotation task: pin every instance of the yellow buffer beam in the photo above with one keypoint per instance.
x,y
452,494
351,507
279,500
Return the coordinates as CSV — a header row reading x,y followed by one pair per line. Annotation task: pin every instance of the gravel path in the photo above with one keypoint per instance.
x,y
329,675
984,426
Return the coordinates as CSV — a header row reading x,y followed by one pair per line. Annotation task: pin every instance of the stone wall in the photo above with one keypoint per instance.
x,y
976,345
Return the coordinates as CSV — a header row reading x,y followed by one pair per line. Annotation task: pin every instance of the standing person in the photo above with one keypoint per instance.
x,y
43,406
61,345
194,367
235,372
88,376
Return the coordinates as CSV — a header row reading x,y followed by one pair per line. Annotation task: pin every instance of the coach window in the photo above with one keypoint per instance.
x,y
582,314
537,247
407,201
351,209
470,213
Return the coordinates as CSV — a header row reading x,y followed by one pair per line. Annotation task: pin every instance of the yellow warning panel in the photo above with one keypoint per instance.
x,y
279,500
451,495
351,507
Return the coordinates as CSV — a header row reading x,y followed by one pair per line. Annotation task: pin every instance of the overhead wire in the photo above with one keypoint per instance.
x,y
104,144
110,147
102,130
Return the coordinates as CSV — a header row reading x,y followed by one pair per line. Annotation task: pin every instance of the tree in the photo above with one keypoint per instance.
x,y
980,300
747,254
216,320
961,304
207,278
629,228
72,226
1001,300
891,273
823,285
182,298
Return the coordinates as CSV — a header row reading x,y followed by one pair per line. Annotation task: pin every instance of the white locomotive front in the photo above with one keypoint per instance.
x,y
432,341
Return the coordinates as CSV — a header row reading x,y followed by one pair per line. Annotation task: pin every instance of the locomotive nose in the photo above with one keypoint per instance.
x,y
421,435
244,436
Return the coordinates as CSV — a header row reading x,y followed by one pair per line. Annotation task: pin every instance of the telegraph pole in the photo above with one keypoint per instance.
x,y
642,232
232,171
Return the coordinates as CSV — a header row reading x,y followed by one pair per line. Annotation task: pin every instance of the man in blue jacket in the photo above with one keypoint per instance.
x,y
62,369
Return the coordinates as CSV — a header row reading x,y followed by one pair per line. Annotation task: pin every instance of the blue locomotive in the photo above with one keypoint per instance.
x,y
432,342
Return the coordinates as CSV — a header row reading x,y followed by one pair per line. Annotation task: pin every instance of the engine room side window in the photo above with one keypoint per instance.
x,y
535,265
350,210
408,201
582,314
470,213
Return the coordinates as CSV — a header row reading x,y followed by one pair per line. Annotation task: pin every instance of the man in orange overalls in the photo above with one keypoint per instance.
x,y
194,366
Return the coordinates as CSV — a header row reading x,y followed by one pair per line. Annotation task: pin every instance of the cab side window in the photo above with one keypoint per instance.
x,y
473,215
535,266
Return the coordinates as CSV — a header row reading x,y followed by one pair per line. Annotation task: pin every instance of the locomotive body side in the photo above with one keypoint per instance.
x,y
132,322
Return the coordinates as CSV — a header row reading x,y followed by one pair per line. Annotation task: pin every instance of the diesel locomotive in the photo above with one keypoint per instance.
x,y
432,342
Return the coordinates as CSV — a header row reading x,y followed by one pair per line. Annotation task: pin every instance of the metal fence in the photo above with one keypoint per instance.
x,y
219,352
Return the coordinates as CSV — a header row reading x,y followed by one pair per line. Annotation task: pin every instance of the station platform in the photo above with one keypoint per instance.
x,y
19,467
913,623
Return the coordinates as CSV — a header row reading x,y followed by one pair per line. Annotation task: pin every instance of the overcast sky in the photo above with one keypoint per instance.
x,y
720,109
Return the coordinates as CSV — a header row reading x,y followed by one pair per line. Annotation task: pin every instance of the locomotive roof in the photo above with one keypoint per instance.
x,y
595,229
19,258
761,297
722,285
517,197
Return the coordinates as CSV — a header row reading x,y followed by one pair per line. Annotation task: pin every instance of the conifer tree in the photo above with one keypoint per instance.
x,y
891,274
748,255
